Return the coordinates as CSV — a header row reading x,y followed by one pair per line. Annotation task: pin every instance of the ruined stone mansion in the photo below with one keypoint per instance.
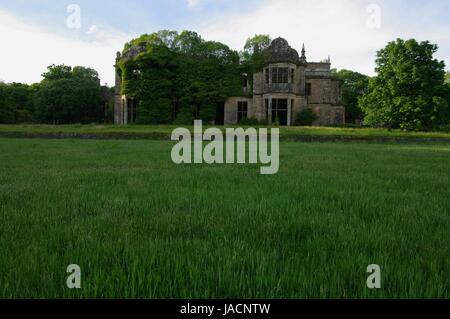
x,y
286,86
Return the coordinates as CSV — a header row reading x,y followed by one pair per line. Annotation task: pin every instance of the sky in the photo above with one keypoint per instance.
x,y
37,33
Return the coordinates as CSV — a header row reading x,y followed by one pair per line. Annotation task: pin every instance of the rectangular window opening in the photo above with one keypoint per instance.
x,y
244,80
308,89
279,111
242,111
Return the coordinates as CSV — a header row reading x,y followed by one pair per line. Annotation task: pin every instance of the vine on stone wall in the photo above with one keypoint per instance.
x,y
179,77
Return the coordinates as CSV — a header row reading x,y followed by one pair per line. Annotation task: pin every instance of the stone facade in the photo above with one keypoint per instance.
x,y
287,86
284,88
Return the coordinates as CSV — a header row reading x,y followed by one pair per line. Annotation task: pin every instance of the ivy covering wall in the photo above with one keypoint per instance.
x,y
179,77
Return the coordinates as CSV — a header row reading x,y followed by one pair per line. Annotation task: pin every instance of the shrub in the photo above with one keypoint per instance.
x,y
347,125
445,128
305,118
249,122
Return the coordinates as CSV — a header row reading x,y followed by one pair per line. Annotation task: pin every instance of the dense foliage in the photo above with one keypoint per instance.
x,y
409,91
16,103
354,86
179,77
69,95
305,118
65,95
253,56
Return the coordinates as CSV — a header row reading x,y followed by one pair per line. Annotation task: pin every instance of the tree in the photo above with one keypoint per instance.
x,y
69,95
256,45
57,72
354,86
85,73
6,107
16,103
409,91
253,56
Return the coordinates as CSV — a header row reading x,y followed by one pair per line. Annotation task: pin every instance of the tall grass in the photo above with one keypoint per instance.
x,y
166,130
141,227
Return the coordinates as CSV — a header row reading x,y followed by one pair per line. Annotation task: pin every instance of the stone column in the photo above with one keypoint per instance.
x,y
117,93
289,112
125,111
122,107
269,115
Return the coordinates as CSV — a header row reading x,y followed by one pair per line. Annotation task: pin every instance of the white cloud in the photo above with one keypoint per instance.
x,y
338,28
93,29
193,3
27,50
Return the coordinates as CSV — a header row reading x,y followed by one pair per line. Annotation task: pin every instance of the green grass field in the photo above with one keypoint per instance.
x,y
164,131
141,227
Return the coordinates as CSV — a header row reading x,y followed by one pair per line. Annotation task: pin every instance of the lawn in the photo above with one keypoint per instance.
x,y
164,132
141,227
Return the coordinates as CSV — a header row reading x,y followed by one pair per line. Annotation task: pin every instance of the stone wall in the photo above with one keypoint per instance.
x,y
324,91
231,105
118,109
328,115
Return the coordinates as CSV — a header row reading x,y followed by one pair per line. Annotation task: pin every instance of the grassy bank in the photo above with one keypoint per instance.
x,y
163,132
140,226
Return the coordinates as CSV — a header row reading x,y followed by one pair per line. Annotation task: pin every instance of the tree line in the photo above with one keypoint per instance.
x,y
66,95
179,77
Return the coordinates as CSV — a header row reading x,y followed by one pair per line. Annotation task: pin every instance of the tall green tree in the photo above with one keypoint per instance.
x,y
57,72
354,86
68,96
253,56
409,91
6,105
256,45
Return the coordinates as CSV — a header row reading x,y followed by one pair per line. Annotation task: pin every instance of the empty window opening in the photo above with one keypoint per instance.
x,y
308,89
279,111
242,112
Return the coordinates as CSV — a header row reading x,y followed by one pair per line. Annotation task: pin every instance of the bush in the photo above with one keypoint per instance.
x,y
445,128
347,125
305,118
249,122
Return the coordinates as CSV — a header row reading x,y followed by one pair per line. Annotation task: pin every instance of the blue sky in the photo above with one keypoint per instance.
x,y
342,29
135,16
